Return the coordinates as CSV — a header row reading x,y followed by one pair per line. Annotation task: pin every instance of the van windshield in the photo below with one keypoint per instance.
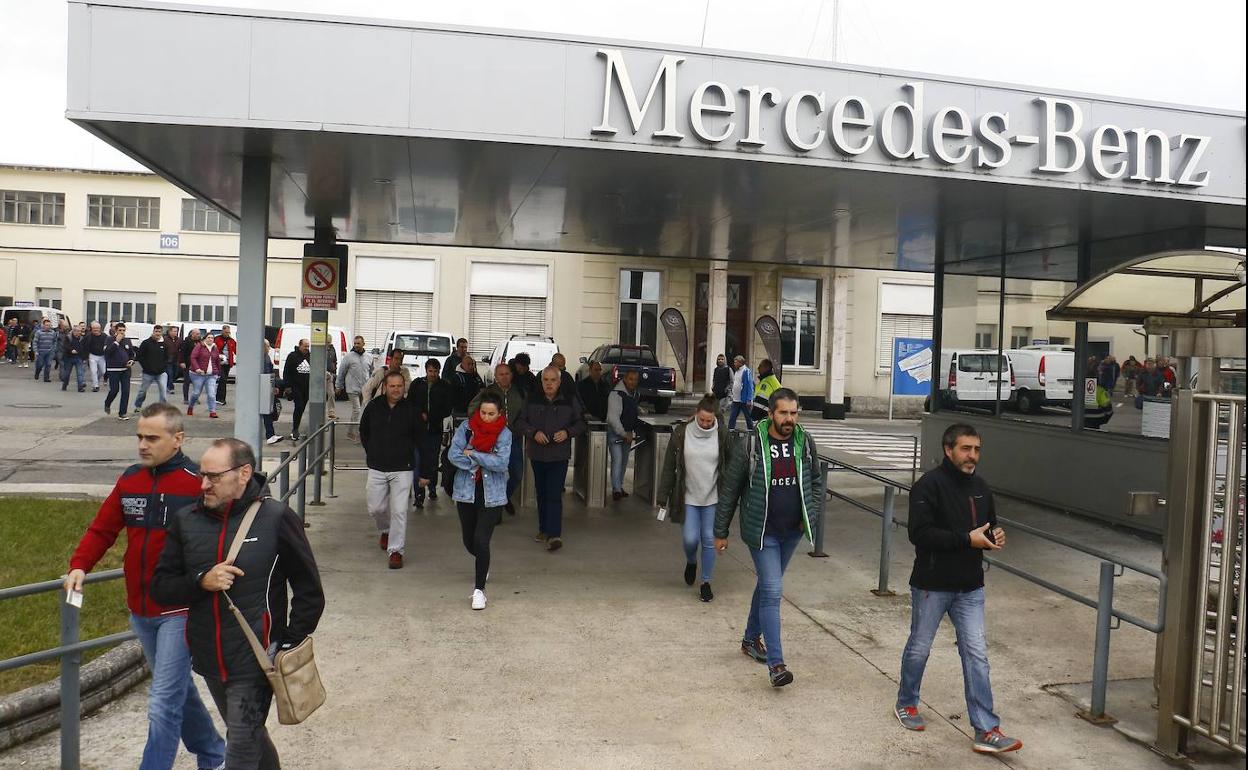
x,y
981,362
423,344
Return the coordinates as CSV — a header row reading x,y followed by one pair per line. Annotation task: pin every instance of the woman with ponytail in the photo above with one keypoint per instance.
x,y
480,450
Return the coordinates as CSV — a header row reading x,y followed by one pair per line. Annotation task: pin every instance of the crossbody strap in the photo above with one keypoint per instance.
x,y
262,655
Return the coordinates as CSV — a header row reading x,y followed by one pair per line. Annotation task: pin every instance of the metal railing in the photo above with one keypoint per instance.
x,y
1112,566
71,646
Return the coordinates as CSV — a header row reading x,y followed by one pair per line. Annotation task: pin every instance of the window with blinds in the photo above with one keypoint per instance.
x,y
377,313
492,319
896,325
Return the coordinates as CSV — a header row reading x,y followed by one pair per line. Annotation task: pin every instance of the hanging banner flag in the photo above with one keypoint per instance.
x,y
769,330
678,335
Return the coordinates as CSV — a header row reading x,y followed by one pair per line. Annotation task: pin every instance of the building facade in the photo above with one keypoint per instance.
x,y
111,246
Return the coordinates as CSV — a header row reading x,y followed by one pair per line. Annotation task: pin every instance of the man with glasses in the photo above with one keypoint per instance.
x,y
193,570
142,503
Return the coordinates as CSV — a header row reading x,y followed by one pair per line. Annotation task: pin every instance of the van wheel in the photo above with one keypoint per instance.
x,y
661,405
1027,402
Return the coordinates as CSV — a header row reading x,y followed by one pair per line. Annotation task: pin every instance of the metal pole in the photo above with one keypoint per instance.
x,y
819,553
886,541
914,459
318,464
1100,660
892,375
333,454
71,693
302,496
284,476
253,244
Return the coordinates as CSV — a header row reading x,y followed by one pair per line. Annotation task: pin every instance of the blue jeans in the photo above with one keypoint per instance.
x,y
548,478
770,563
174,709
699,527
43,363
201,383
145,383
966,610
619,461
743,409
515,467
76,364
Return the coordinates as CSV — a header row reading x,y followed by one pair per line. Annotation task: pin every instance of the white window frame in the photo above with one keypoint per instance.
x,y
208,214
136,207
284,304
992,334
819,313
1014,339
31,201
619,303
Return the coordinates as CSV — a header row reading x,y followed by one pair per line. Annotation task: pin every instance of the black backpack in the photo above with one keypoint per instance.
x,y
446,467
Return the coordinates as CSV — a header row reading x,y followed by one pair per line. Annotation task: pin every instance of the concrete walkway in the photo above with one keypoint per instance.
x,y
600,657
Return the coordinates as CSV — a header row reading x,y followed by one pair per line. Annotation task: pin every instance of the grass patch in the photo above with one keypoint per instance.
x,y
37,537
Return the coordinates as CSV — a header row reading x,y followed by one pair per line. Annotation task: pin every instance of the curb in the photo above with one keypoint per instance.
x,y
36,710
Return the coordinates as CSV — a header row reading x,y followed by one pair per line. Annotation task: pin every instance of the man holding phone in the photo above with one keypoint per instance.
x,y
142,503
953,520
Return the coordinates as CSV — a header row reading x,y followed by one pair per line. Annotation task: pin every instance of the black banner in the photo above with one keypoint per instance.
x,y
678,334
769,330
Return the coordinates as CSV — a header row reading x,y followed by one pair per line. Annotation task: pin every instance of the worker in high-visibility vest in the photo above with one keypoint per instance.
x,y
768,383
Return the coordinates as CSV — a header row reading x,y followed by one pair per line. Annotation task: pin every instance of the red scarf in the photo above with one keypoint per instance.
x,y
485,434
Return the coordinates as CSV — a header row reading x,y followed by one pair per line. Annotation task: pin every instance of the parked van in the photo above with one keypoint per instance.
x,y
288,337
418,347
1043,376
974,377
540,349
32,314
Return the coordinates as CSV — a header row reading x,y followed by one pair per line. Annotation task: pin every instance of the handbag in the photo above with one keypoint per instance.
x,y
292,673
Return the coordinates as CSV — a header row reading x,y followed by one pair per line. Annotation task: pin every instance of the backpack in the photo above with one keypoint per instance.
x,y
447,468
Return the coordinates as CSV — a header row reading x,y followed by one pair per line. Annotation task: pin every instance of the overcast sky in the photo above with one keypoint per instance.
x,y
1156,50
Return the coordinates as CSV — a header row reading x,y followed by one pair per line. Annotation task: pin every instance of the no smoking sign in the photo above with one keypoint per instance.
x,y
320,283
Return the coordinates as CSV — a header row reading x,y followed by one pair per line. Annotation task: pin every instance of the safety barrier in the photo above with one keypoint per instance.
x,y
71,646
1112,567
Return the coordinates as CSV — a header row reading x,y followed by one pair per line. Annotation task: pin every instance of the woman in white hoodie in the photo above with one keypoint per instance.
x,y
689,486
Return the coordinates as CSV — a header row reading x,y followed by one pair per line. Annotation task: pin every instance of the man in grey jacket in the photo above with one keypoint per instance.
x,y
622,422
44,341
353,373
549,421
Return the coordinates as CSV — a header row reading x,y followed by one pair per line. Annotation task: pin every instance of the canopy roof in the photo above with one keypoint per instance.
x,y
1174,290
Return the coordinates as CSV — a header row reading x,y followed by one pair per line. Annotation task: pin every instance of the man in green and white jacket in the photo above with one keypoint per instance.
x,y
775,478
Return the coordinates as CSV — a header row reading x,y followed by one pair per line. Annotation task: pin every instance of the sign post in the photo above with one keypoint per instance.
x,y
911,372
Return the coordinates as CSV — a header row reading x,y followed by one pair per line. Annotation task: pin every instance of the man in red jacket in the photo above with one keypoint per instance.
x,y
142,502
227,347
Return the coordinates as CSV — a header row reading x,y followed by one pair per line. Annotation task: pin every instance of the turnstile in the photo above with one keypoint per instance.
x,y
648,461
591,471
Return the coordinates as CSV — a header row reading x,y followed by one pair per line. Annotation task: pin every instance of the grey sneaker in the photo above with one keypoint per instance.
x,y
780,675
995,742
909,718
754,648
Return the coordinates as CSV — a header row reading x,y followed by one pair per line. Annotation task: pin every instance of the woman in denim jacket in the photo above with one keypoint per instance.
x,y
481,449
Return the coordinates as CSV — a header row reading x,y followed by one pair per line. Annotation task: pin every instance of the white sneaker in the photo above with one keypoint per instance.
x,y
274,439
478,599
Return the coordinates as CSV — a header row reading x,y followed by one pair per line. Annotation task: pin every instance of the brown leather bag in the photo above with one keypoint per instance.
x,y
292,673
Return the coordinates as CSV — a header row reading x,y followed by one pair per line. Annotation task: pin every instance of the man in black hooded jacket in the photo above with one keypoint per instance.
x,y
193,570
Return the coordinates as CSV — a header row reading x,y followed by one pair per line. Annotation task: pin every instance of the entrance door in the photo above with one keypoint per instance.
x,y
737,338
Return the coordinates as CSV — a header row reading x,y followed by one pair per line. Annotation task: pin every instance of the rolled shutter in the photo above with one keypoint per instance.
x,y
492,319
377,313
895,325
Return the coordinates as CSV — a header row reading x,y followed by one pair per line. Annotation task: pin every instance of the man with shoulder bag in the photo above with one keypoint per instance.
x,y
233,553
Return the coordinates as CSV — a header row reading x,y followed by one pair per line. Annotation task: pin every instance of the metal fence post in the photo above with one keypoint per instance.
x,y
333,454
284,476
1100,661
318,467
302,496
71,705
914,459
886,541
818,553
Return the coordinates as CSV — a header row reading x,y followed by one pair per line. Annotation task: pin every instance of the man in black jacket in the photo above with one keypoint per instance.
x,y
296,374
193,571
434,398
184,362
549,421
74,357
466,381
593,392
388,430
721,381
152,358
953,520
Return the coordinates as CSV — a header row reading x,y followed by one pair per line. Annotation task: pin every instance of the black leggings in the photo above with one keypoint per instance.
x,y
478,522
301,403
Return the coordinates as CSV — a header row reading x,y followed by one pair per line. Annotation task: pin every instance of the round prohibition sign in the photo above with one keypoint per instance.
x,y
320,276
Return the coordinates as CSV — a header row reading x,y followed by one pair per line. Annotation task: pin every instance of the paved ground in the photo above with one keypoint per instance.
x,y
599,656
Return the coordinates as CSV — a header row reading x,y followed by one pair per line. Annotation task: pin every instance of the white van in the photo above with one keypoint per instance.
x,y
418,347
288,339
540,349
974,377
1043,376
32,314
